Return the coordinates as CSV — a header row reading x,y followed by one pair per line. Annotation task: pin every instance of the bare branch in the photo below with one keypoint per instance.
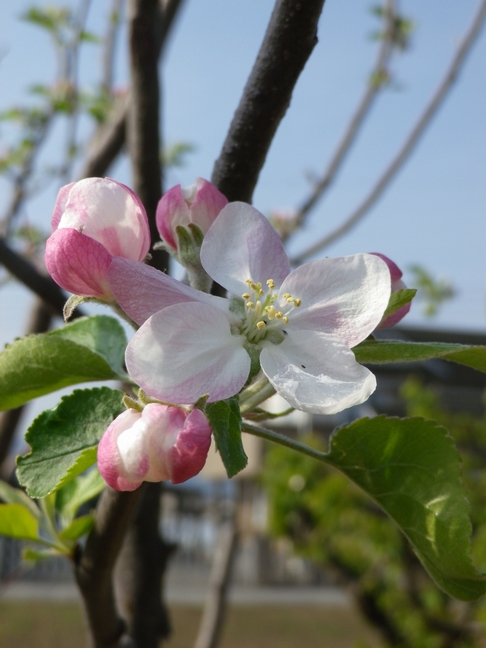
x,y
109,139
110,43
216,600
374,86
93,567
289,40
419,128
41,285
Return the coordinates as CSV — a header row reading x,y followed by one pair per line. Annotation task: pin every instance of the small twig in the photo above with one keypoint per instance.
x,y
419,128
373,88
289,40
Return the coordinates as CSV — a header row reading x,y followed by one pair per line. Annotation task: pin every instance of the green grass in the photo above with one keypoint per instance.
x,y
36,624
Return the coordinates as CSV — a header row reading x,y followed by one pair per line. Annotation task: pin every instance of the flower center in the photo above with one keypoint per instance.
x,y
261,315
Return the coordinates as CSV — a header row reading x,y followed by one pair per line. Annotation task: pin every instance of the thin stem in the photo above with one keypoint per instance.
x,y
269,435
409,144
255,394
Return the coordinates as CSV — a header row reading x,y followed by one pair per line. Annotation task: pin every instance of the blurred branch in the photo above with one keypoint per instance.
x,y
289,40
109,139
41,285
93,567
376,83
419,128
110,43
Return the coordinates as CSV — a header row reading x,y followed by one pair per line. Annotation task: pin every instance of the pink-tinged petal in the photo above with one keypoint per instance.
x,y
186,351
206,205
188,455
78,263
110,213
60,205
172,211
109,461
241,244
316,373
343,297
395,272
142,290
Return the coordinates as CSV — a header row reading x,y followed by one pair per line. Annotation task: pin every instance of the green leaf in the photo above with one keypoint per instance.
x,y
11,495
78,527
225,420
412,469
88,349
64,439
16,521
398,299
34,555
377,352
77,492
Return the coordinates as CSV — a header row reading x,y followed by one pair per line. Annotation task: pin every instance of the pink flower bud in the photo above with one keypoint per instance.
x,y
158,444
93,221
199,204
396,284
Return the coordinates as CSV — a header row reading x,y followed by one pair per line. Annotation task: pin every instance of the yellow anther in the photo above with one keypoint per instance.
x,y
286,295
271,312
250,305
261,292
260,325
253,286
285,319
290,300
248,281
279,315
297,302
245,296
270,283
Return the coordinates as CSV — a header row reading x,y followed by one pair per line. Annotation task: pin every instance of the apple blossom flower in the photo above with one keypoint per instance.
x,y
158,444
396,284
199,204
94,220
298,326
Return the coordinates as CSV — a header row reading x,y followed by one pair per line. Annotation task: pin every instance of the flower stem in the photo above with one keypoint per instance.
x,y
269,435
255,394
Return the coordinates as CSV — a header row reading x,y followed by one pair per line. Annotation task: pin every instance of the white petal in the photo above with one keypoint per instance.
x,y
142,290
345,296
316,373
186,351
241,244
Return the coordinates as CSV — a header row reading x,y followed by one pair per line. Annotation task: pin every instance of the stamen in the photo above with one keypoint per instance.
x,y
286,295
271,283
297,302
289,300
260,325
279,315
245,296
250,305
285,319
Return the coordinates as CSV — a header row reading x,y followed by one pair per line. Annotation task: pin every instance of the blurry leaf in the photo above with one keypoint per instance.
x,y
412,469
433,292
78,527
89,349
175,154
11,495
16,521
225,420
77,492
64,440
383,352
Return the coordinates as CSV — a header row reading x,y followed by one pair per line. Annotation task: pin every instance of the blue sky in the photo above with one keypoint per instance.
x,y
432,213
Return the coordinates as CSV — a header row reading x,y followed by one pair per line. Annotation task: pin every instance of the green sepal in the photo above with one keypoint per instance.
x,y
398,299
225,420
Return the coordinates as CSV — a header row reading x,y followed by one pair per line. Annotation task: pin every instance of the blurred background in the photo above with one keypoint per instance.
x,y
412,176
